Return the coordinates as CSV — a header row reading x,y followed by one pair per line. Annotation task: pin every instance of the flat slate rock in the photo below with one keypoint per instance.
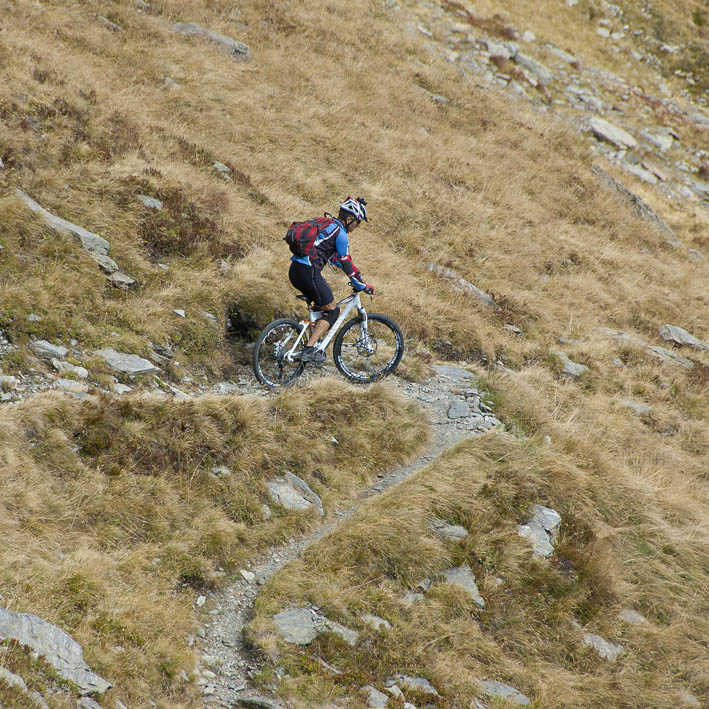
x,y
681,337
464,577
633,617
375,698
61,651
299,626
460,284
47,350
541,530
669,356
89,240
238,51
606,650
126,363
418,684
457,374
449,531
374,621
570,368
499,689
293,493
604,130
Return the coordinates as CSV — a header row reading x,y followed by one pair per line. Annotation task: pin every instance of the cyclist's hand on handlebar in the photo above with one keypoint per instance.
x,y
369,290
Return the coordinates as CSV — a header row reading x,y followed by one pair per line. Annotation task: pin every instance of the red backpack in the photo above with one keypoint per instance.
x,y
301,236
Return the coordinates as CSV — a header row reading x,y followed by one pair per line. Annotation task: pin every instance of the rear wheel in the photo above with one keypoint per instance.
x,y
268,359
367,355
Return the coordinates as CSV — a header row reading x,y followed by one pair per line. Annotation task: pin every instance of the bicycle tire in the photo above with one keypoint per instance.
x,y
363,362
269,366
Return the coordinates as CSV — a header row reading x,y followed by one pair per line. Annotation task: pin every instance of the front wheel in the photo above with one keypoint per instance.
x,y
268,359
365,354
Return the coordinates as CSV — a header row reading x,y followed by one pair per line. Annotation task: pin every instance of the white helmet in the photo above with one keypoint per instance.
x,y
356,207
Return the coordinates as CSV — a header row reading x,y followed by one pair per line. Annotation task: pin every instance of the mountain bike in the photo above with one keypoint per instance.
x,y
365,348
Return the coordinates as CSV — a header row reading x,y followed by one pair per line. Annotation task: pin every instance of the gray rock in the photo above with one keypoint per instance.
x,y
633,617
681,337
106,263
220,471
458,409
410,598
47,350
62,366
150,202
89,240
505,50
12,679
636,407
460,284
225,388
541,530
449,531
347,634
499,689
7,382
570,368
121,388
417,684
375,698
661,141
223,170
126,363
112,26
696,256
71,385
513,329
34,318
641,208
457,374
293,493
376,622
238,51
464,577
298,625
179,312
605,649
561,54
541,72
641,172
88,703
122,281
62,652
604,130
669,356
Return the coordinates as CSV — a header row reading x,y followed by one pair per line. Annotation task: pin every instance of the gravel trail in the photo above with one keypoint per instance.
x,y
455,412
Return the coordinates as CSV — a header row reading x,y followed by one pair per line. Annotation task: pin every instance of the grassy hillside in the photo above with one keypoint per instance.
x,y
330,103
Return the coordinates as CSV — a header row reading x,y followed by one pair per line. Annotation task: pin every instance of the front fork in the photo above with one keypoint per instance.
x,y
363,340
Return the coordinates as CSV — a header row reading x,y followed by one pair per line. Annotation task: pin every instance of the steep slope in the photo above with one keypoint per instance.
x,y
106,106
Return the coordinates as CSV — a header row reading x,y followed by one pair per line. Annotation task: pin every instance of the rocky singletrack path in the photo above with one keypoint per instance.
x,y
455,412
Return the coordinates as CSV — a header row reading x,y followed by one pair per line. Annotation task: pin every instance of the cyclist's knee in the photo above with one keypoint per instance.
x,y
332,315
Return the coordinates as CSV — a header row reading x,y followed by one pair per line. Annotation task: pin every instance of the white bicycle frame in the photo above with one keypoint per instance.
x,y
352,301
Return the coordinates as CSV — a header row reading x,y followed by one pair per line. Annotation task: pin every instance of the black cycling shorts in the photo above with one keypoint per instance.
x,y
309,281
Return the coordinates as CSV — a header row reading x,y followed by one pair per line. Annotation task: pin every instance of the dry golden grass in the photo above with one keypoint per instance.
x,y
501,194
112,524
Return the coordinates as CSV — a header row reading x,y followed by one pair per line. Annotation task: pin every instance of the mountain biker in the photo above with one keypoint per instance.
x,y
332,246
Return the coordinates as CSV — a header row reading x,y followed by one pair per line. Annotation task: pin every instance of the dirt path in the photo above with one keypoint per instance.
x,y
454,412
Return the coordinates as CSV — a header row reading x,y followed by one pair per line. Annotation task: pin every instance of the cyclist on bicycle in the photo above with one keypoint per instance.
x,y
331,246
